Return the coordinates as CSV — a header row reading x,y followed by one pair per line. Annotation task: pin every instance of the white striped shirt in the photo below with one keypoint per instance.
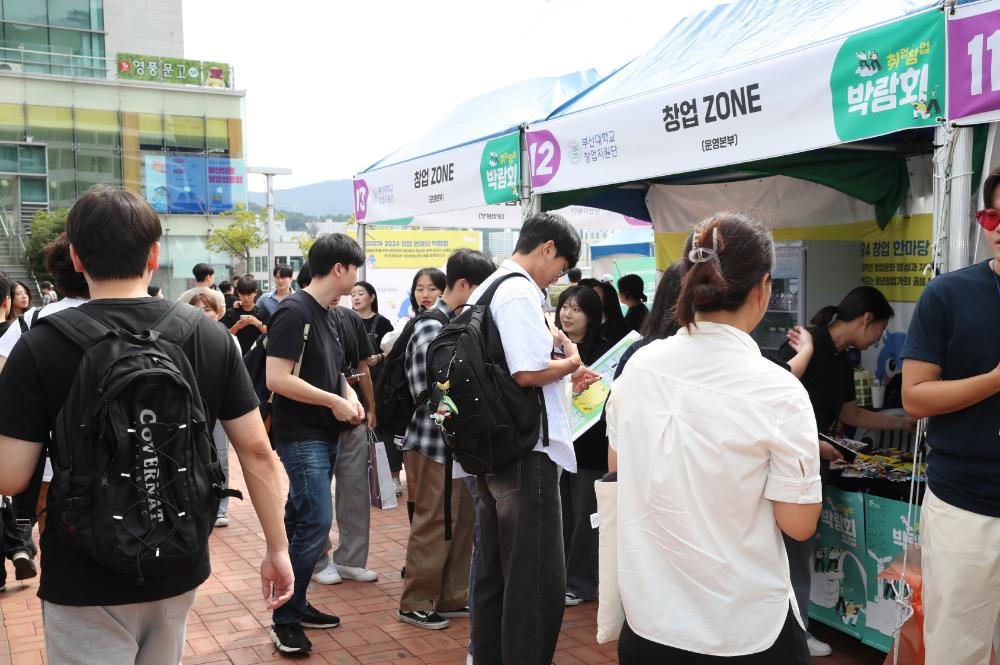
x,y
527,345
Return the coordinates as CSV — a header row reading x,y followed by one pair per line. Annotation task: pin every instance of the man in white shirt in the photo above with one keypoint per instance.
x,y
520,580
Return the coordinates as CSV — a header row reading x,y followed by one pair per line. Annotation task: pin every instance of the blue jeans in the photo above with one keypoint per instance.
x,y
308,515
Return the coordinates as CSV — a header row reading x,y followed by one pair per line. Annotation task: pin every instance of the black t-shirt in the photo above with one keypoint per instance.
x,y
377,327
636,316
248,335
829,377
34,385
353,336
953,327
592,446
322,362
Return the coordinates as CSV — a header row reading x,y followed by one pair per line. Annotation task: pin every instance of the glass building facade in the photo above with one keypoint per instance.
x,y
59,137
61,37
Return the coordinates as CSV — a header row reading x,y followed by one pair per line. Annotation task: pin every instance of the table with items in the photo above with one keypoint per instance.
x,y
866,521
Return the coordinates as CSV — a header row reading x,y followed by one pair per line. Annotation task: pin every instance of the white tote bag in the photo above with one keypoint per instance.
x,y
610,611
381,491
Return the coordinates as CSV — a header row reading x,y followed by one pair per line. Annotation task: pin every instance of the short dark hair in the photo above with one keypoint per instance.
x,y
439,279
332,249
305,276
153,290
225,287
545,226
201,271
631,286
283,270
731,254
112,230
59,263
45,285
367,286
247,284
574,275
989,187
6,284
470,265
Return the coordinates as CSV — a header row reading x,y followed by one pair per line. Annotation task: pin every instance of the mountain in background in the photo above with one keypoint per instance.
x,y
331,198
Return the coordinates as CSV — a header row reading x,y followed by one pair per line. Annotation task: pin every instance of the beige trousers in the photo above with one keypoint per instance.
x,y
961,583
437,570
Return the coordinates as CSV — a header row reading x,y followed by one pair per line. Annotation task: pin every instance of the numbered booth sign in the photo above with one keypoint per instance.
x,y
974,60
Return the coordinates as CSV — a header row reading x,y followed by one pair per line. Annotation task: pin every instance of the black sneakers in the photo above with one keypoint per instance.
x,y
462,613
313,618
429,620
24,567
290,638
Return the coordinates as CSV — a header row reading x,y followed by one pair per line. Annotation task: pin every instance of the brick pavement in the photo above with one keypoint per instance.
x,y
229,621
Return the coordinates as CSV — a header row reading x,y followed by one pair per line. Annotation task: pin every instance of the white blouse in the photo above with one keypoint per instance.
x,y
708,433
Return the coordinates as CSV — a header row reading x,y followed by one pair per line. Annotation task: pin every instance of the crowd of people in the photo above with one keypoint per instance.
x,y
713,445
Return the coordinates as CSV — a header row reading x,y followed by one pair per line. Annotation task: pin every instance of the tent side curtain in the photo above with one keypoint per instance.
x,y
877,178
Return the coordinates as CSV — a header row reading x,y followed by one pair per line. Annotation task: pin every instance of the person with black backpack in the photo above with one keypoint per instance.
x,y
313,408
501,365
437,570
130,387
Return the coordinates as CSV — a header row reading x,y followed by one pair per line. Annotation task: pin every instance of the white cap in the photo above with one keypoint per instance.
x,y
607,278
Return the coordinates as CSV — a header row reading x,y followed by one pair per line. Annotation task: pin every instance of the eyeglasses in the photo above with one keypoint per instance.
x,y
565,272
989,219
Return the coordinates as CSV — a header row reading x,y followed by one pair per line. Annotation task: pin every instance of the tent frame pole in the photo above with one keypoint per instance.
x,y
960,225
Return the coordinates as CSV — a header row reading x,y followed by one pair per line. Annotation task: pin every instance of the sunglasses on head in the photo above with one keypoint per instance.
x,y
989,219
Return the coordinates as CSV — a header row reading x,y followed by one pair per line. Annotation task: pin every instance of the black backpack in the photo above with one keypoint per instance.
x,y
136,479
497,421
394,403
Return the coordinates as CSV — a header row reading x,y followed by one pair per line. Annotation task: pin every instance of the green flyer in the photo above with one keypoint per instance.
x,y
586,408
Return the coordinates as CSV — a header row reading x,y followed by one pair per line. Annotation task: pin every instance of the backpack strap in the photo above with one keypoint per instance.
x,y
79,327
487,297
22,324
35,315
178,323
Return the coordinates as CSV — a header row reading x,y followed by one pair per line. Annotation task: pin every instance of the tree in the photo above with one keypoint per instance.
x,y
45,227
305,242
241,236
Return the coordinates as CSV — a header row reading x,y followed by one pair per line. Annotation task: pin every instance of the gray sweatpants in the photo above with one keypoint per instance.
x,y
136,634
352,504
222,448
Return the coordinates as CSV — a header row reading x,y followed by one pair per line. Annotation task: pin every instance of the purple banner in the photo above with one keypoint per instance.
x,y
974,62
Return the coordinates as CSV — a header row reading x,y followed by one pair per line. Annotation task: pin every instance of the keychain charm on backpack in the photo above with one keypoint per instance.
x,y
446,409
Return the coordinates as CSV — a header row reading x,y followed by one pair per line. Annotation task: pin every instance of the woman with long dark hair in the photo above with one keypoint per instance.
x,y
578,314
715,448
20,300
630,293
364,301
613,326
859,321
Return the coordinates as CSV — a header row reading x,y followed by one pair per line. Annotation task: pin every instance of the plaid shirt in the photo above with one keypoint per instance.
x,y
423,435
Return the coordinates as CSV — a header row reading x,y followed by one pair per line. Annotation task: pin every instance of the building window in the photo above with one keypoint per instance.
x,y
62,37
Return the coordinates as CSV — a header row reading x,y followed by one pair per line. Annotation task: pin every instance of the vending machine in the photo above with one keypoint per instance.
x,y
807,275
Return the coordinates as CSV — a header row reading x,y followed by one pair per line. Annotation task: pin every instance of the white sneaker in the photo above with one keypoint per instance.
x,y
328,575
818,648
221,520
357,574
468,660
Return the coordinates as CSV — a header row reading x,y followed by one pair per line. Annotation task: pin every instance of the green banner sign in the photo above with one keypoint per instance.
x,y
890,78
500,169
180,71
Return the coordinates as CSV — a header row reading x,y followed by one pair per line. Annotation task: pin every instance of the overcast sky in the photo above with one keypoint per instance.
x,y
334,86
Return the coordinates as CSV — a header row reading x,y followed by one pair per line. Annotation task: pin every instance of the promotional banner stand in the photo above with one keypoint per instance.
x,y
363,241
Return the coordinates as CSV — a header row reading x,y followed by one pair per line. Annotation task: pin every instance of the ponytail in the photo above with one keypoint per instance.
x,y
860,301
825,316
730,253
